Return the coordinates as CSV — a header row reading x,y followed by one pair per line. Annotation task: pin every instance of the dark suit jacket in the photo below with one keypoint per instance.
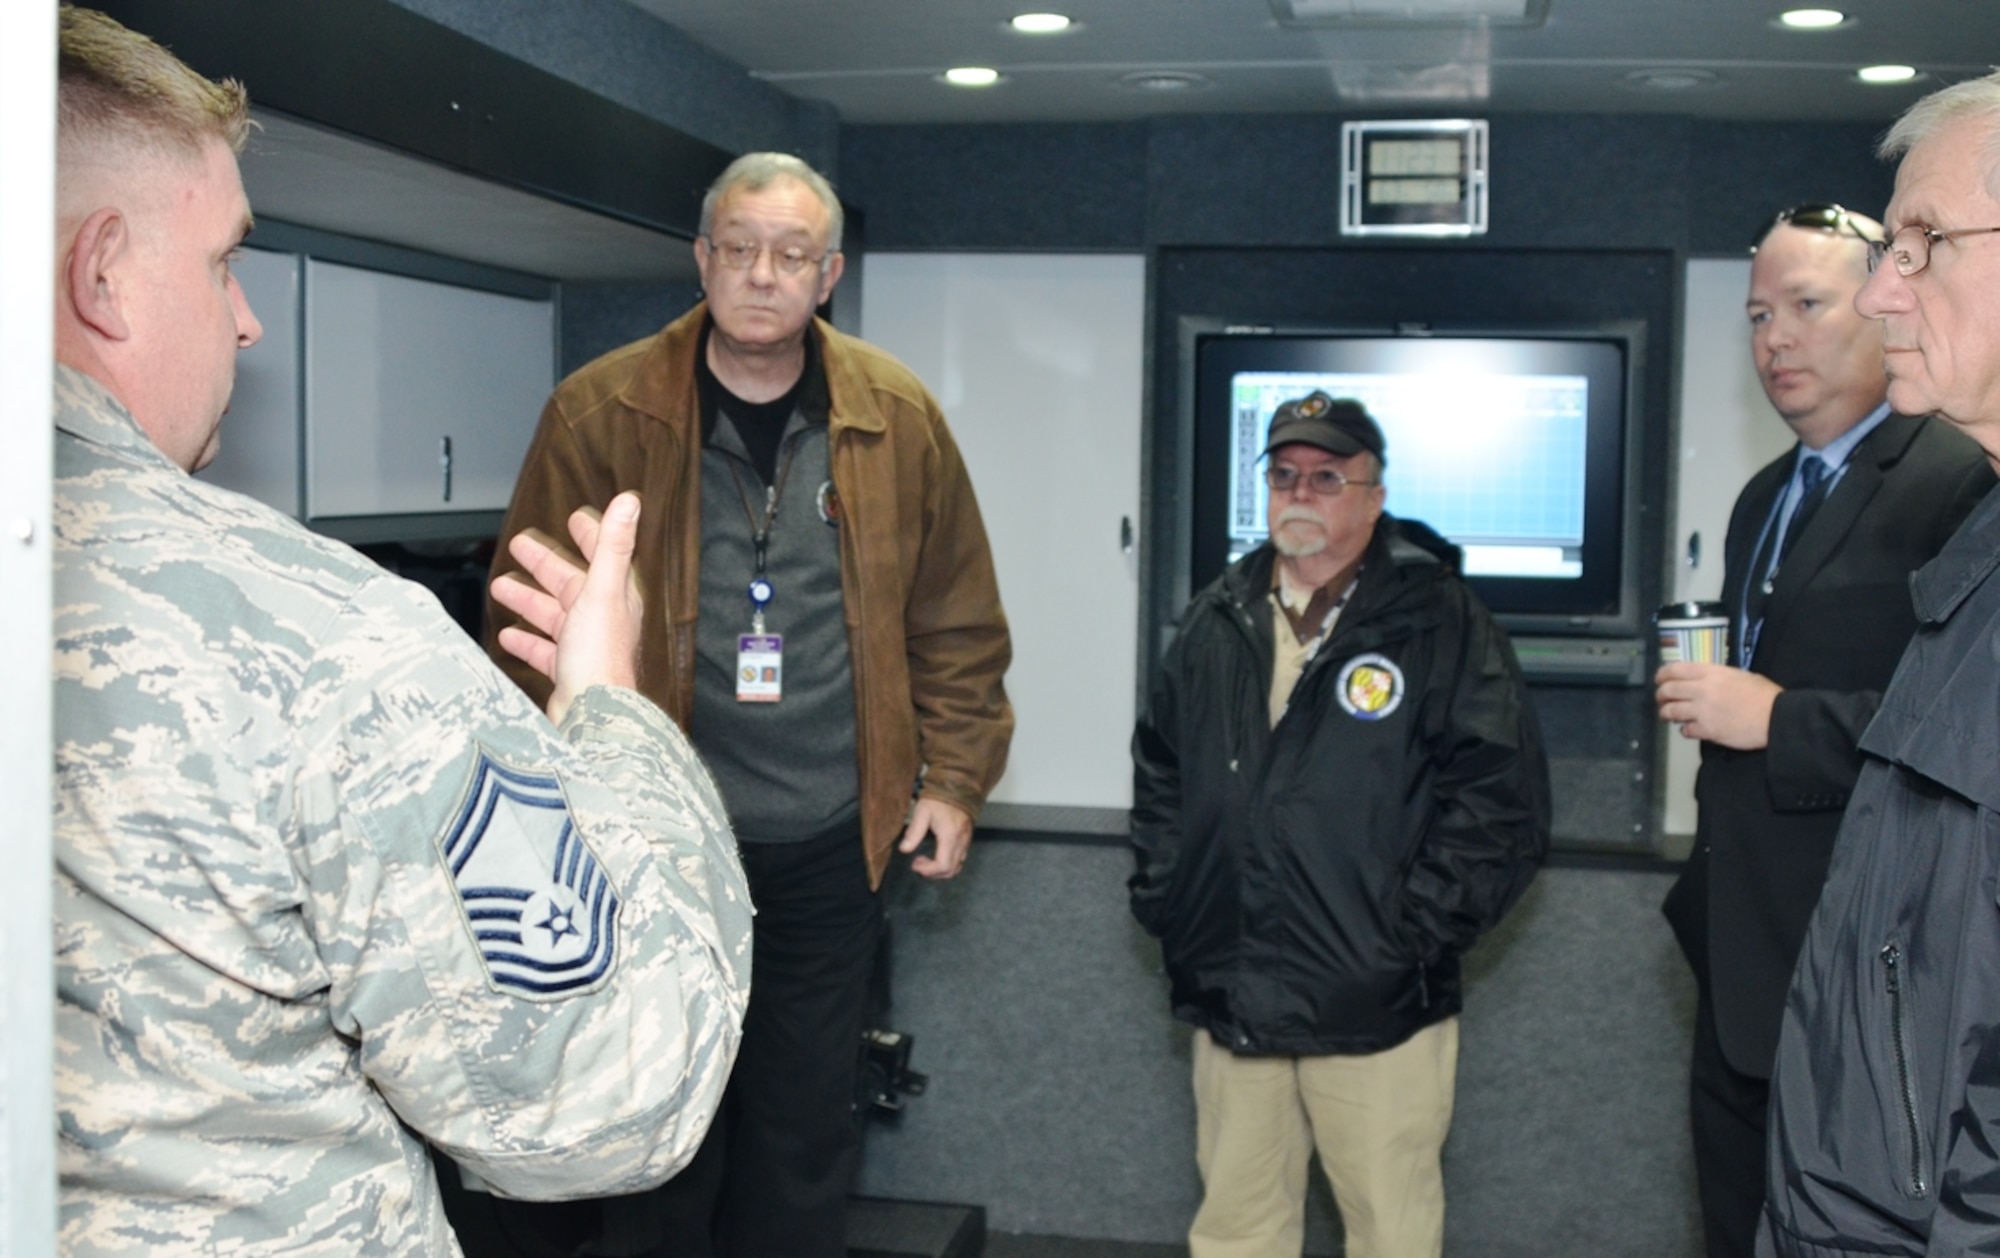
x,y
1836,622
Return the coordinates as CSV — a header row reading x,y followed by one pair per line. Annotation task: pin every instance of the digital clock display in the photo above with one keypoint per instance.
x,y
1413,191
1415,157
1424,178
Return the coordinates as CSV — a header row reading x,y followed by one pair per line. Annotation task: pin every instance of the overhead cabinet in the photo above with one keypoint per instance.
x,y
375,395
264,429
419,397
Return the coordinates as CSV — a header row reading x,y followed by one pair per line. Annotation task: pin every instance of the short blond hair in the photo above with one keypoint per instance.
x,y
116,86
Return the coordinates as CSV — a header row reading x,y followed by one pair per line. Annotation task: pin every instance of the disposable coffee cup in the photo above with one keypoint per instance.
x,y
1693,633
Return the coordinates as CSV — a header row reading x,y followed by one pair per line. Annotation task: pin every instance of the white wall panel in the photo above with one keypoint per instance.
x,y
27,266
1727,431
1038,361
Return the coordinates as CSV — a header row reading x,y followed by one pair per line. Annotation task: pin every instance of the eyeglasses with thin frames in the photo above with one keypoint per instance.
x,y
1323,482
1909,250
1816,216
741,255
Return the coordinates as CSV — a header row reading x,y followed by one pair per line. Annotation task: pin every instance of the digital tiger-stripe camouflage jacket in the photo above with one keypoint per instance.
x,y
328,885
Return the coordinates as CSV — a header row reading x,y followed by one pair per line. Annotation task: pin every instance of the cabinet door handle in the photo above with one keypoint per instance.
x,y
1125,538
444,464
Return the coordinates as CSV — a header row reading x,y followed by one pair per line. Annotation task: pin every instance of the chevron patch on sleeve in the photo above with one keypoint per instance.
x,y
541,907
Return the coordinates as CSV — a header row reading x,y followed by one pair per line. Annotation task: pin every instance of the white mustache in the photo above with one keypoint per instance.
x,y
1301,546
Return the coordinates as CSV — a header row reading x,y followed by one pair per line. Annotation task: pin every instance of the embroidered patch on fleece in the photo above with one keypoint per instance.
x,y
1370,687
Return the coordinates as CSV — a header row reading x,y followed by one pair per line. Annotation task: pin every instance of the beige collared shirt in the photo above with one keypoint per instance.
x,y
1290,655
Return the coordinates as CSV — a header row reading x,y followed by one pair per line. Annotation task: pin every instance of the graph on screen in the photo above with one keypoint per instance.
x,y
1495,462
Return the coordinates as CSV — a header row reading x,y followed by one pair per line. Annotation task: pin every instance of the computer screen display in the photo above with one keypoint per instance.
x,y
1512,446
1495,462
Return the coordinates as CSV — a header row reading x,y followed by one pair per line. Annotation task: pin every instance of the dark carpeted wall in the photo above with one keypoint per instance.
x,y
1559,182
1601,741
624,54
1059,1096
1592,220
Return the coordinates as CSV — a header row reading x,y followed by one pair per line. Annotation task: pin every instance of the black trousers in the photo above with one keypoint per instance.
x,y
1727,1110
772,1177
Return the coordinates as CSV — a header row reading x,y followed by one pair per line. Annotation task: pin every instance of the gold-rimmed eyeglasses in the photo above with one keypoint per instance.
x,y
741,255
1323,482
1909,250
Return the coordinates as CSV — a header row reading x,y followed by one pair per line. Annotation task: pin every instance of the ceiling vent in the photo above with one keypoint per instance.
x,y
1363,83
1670,79
1162,82
1322,13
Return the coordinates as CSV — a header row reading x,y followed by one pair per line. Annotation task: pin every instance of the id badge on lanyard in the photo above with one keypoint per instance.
x,y
760,656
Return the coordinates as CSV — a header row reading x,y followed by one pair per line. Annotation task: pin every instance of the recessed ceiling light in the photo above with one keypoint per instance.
x,y
1811,19
1886,74
1162,81
1039,23
972,76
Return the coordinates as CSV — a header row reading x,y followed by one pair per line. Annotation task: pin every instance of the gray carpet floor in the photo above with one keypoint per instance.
x,y
1009,1245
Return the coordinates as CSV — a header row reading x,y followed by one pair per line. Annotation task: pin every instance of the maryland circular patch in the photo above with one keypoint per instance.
x,y
1370,687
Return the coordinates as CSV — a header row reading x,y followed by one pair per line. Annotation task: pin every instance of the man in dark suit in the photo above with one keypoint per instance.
x,y
1816,567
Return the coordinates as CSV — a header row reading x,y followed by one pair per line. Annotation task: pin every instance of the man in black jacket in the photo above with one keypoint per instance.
x,y
1338,786
1816,581
1885,1101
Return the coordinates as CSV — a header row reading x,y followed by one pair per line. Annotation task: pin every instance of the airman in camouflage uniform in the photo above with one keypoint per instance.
x,y
328,885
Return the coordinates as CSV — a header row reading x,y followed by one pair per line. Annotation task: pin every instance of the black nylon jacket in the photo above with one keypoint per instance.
x,y
1885,1118
1313,885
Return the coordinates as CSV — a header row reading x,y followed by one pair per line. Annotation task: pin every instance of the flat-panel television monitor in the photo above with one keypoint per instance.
x,y
1514,445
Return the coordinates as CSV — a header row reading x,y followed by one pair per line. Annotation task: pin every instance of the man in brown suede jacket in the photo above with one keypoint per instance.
x,y
822,617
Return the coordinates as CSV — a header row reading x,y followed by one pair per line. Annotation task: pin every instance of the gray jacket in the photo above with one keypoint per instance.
x,y
1885,1123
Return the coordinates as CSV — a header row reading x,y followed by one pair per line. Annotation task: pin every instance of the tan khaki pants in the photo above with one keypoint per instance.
x,y
1379,1122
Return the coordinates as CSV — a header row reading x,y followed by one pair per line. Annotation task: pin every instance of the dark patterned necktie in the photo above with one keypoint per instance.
x,y
1812,491
1813,480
